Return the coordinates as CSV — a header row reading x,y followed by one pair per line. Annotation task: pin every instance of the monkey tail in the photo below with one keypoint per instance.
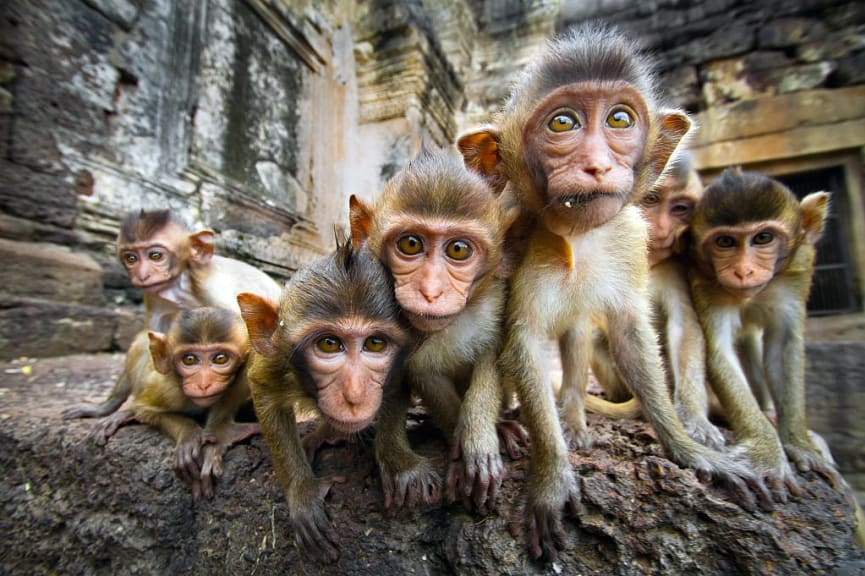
x,y
615,410
118,396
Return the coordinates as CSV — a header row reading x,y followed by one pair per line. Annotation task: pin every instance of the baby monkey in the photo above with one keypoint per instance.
x,y
195,371
333,344
752,245
440,231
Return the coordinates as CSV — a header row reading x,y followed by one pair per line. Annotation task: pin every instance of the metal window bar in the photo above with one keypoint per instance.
x,y
832,285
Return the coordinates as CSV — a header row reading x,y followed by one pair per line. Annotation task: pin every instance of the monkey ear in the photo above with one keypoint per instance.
x,y
815,206
480,150
674,125
201,246
159,352
261,318
360,219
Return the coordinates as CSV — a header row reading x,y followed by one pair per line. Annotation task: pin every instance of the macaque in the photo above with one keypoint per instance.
x,y
195,371
580,139
752,246
177,270
333,344
440,231
667,208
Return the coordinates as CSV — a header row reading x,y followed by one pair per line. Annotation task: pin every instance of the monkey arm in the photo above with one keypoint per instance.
x,y
476,468
304,493
407,478
552,485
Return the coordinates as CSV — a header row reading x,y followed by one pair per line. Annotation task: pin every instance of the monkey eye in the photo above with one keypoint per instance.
x,y
563,122
374,344
725,242
329,344
650,199
763,238
189,359
458,250
681,210
220,358
620,118
410,245
130,258
155,255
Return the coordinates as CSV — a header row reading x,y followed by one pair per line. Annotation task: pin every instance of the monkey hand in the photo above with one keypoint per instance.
x,y
513,439
542,513
313,531
750,471
211,468
409,480
474,474
701,430
107,427
806,457
188,454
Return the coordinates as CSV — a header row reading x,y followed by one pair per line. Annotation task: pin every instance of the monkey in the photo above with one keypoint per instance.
x,y
668,209
333,344
177,270
441,230
196,370
751,244
581,137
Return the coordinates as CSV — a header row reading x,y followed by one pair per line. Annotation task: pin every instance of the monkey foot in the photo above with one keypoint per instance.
x,y
806,458
417,484
542,521
578,439
704,432
513,439
107,427
313,532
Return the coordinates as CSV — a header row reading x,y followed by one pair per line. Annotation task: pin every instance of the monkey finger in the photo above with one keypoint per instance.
x,y
196,491
206,484
452,482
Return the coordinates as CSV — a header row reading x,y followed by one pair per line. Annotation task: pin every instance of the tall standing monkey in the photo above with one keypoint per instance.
x,y
752,244
177,270
580,139
668,209
334,343
440,231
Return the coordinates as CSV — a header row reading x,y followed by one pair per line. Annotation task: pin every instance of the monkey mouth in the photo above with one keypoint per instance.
x,y
429,322
571,201
349,426
205,401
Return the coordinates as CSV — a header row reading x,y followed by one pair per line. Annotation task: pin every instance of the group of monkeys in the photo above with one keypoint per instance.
x,y
454,277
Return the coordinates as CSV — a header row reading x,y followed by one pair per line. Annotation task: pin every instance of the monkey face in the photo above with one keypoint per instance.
x,y
583,144
151,265
668,210
744,257
206,372
434,267
349,367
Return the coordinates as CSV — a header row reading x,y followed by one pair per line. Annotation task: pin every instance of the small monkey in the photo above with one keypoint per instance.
x,y
752,246
196,370
177,270
581,138
440,230
668,209
333,344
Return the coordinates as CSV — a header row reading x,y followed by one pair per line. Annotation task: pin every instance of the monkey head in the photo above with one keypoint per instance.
x,y
155,248
747,227
582,134
204,348
439,229
669,206
338,329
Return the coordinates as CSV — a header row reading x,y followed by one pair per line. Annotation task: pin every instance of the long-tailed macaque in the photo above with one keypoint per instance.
x,y
196,370
752,246
440,231
668,209
333,344
177,270
580,139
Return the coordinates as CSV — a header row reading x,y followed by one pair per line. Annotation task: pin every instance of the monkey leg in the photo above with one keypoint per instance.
x,y
407,479
476,470
785,369
604,371
575,351
552,486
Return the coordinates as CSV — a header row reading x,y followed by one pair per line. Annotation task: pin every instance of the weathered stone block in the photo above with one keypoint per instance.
x,y
51,272
785,32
